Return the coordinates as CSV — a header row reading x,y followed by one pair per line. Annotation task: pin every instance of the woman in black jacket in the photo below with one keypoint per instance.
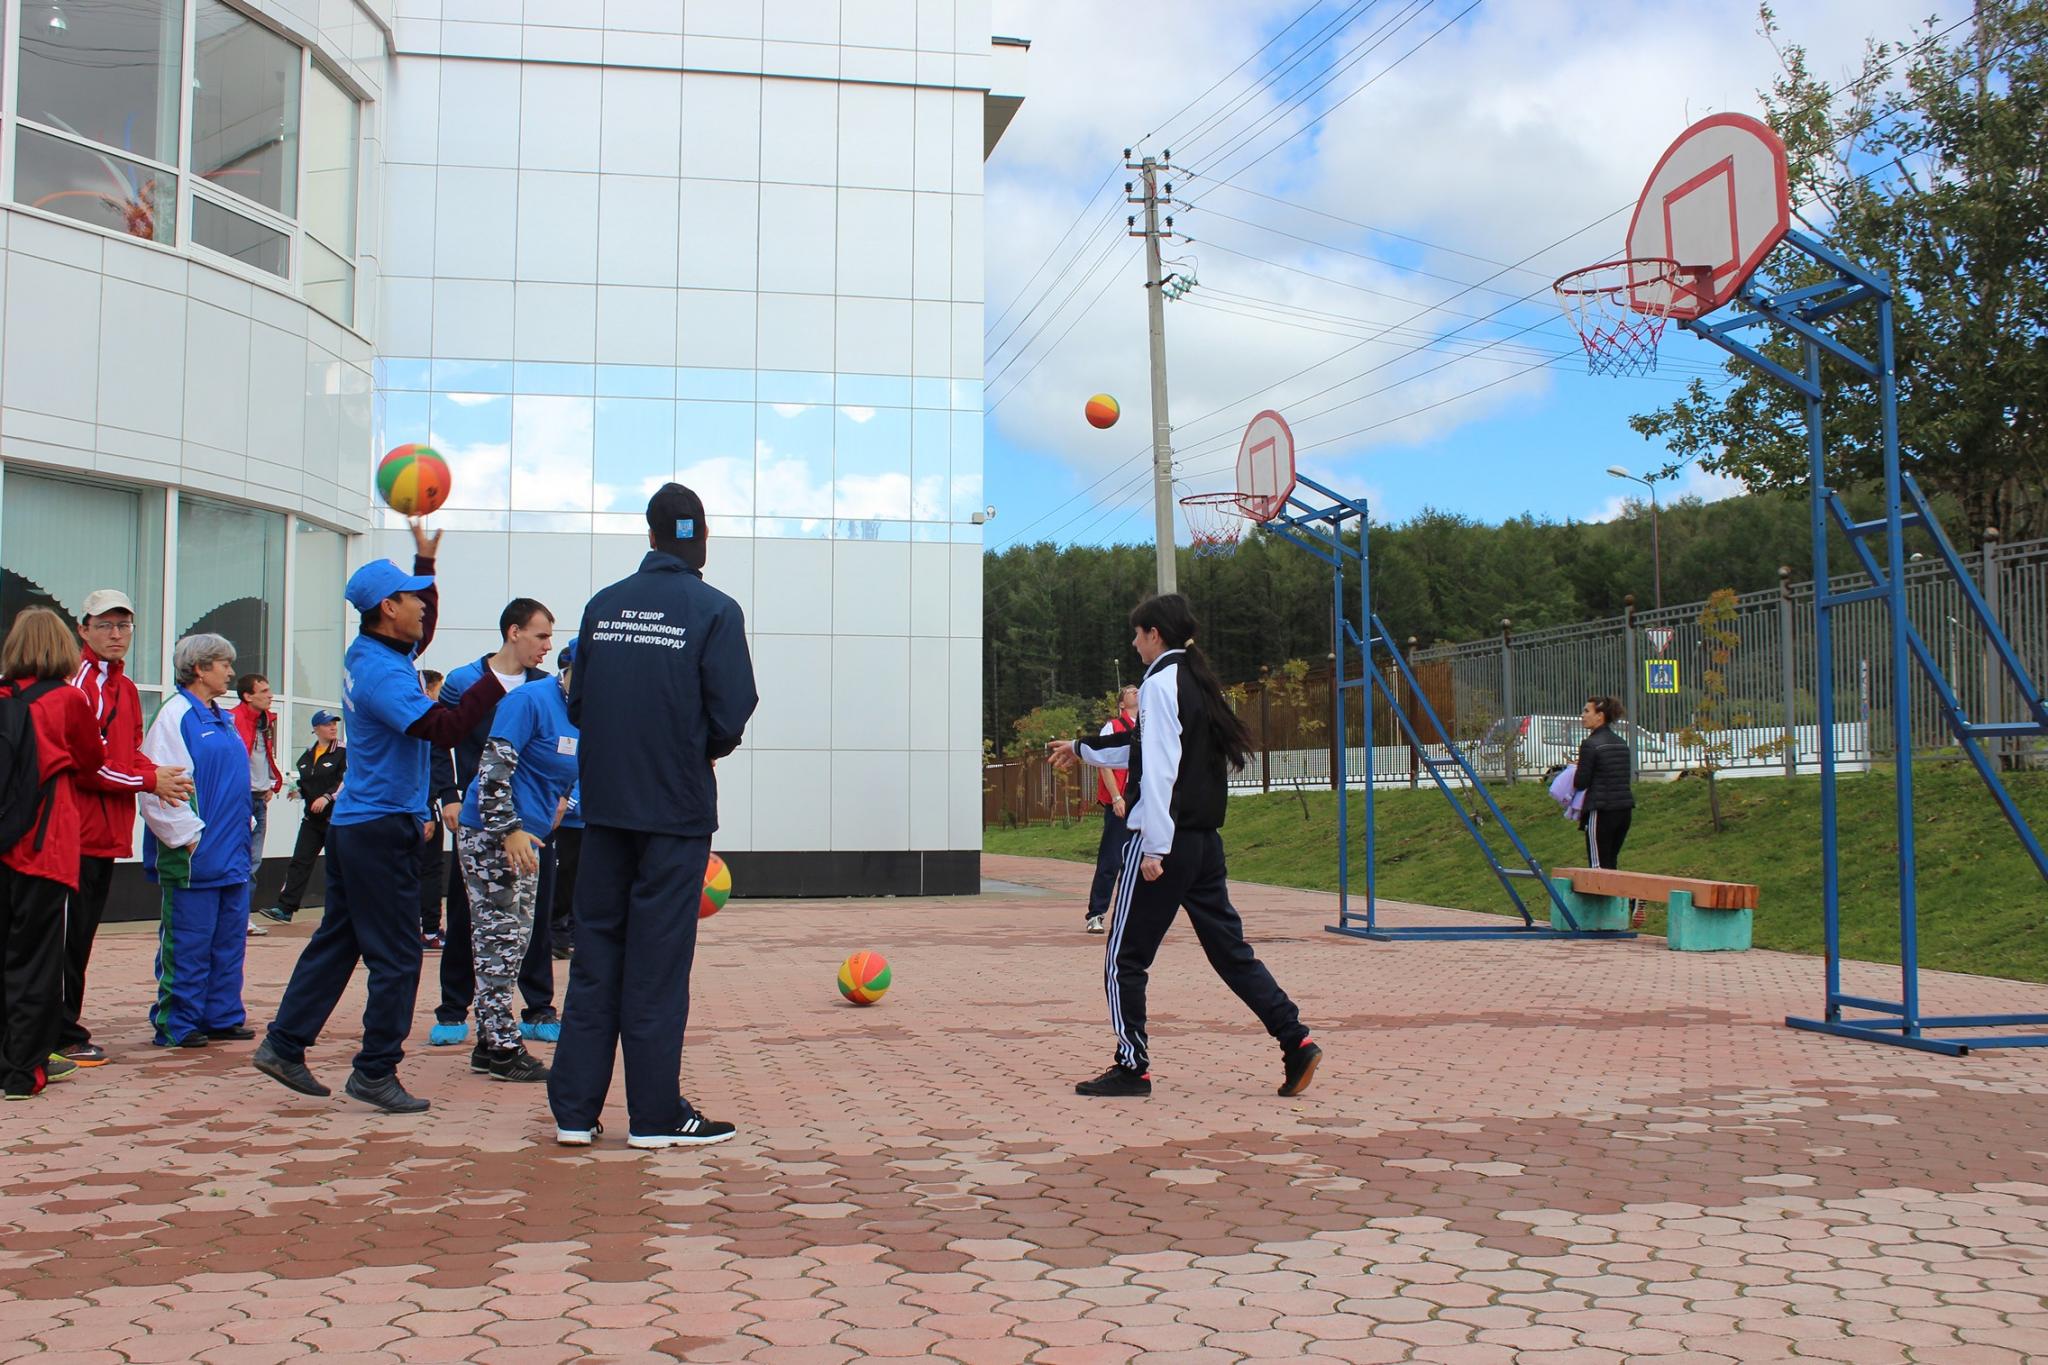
x,y
1603,776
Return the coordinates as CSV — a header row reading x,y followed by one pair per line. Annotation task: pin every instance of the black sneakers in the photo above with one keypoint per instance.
x,y
694,1131
290,1075
1301,1066
1118,1081
510,1064
384,1092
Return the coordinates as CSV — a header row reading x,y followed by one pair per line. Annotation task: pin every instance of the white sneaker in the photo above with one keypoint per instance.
x,y
695,1131
1095,924
577,1137
256,930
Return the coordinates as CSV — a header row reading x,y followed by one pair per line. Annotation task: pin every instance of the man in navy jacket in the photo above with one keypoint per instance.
x,y
662,688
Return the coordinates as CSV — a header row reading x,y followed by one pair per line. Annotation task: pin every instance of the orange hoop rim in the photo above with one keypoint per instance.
x,y
1586,284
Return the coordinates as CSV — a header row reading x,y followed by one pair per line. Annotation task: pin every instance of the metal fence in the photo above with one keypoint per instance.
x,y
1513,702
1516,698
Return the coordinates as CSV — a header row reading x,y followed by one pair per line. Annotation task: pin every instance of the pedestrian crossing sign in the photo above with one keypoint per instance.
x,y
1660,676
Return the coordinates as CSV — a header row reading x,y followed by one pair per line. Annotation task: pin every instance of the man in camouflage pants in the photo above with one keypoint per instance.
x,y
512,805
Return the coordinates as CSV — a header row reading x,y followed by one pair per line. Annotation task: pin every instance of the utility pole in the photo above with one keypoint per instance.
x,y
1155,314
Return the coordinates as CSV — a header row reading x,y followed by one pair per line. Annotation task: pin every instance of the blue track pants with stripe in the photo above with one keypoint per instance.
x,y
202,936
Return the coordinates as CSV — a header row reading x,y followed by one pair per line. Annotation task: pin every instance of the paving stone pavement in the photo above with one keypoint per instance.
x,y
1547,1152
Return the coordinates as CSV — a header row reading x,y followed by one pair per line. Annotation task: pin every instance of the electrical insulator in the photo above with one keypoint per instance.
x,y
1169,222
1130,220
1169,189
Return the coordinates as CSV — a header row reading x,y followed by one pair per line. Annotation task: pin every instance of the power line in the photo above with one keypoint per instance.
x,y
1100,295
1273,77
1206,123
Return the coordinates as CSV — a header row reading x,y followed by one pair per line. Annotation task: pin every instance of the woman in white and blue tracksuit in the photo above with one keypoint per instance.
x,y
1179,755
197,851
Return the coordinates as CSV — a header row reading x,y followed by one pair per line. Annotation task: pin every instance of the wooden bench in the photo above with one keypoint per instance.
x,y
1705,916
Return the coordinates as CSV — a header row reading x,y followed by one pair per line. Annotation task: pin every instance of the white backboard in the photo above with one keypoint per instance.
x,y
1717,200
1265,465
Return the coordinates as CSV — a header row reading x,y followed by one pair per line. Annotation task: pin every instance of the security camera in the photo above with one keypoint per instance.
x,y
987,513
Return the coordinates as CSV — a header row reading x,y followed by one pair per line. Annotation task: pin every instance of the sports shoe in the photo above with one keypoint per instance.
x,y
447,1035
514,1064
1637,916
256,930
384,1092
577,1137
1301,1066
276,914
694,1131
480,1058
561,952
290,1075
1118,1081
240,1033
1095,924
35,1086
433,943
546,1029
194,1040
86,1054
59,1068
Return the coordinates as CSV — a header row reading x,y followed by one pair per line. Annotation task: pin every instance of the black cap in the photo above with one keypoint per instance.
x,y
675,517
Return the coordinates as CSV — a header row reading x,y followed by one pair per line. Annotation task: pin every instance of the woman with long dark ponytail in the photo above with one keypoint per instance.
x,y
1180,755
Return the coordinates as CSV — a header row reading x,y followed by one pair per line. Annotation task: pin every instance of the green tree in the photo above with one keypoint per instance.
x,y
1938,184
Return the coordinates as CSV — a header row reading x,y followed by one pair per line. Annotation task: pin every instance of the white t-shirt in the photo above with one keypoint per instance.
x,y
508,681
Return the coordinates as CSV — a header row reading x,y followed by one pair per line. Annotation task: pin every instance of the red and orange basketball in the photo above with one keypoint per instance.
x,y
414,480
864,977
717,886
1102,411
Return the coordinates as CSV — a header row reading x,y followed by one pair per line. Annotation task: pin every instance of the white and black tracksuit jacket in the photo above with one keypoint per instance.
x,y
1172,737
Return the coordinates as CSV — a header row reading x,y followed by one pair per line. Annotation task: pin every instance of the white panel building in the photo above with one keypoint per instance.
x,y
581,247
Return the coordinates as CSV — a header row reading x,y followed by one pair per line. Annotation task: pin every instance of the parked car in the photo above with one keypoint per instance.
x,y
1544,744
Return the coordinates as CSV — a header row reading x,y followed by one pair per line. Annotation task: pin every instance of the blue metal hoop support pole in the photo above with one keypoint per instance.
x,y
1801,312
1320,530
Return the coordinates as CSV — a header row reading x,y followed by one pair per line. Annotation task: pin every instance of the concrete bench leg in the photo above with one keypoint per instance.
x,y
1592,912
1693,930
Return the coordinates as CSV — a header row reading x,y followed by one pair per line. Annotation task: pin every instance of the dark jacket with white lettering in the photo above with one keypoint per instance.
x,y
663,685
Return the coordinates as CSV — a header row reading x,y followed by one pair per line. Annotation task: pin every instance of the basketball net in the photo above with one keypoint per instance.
x,y
1620,309
1217,521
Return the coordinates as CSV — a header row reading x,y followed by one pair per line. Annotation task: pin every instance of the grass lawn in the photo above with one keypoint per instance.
x,y
1983,907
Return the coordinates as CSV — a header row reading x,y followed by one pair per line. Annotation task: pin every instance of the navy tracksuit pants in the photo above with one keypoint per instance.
x,y
629,981
458,959
373,917
1195,878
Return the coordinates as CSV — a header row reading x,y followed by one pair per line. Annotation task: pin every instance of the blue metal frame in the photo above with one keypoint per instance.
x,y
1321,532
1801,312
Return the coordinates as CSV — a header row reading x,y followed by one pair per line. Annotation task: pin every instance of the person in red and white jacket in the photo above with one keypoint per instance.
x,y
1116,832
40,870
106,797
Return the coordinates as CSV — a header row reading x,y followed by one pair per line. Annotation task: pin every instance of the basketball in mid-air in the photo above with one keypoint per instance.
x,y
717,886
864,977
413,480
1102,411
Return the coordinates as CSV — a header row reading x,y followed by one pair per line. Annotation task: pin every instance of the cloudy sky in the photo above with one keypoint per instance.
x,y
1469,138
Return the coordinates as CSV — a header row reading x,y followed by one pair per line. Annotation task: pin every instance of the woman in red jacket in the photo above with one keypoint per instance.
x,y
41,869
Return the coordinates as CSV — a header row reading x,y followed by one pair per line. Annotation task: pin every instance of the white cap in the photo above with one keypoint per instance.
x,y
107,599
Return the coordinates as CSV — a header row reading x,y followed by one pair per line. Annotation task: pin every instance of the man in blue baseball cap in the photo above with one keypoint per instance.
x,y
373,895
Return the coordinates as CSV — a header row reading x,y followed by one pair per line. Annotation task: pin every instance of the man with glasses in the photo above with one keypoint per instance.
x,y
106,797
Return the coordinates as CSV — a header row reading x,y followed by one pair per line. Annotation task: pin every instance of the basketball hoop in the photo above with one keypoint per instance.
x,y
1216,521
1620,308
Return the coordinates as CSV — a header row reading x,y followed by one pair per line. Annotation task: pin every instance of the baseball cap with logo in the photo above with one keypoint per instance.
x,y
107,599
321,718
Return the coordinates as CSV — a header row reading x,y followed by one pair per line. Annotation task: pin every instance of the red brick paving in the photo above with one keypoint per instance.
x,y
1540,1152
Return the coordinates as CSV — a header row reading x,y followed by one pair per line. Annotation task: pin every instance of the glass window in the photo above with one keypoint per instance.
x,y
62,538
245,107
105,70
551,453
473,432
245,239
319,623
871,464
792,460
636,451
966,465
95,187
930,459
332,120
715,455
328,281
231,580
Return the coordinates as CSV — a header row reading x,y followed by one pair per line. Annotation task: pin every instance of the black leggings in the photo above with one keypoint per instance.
x,y
1605,830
